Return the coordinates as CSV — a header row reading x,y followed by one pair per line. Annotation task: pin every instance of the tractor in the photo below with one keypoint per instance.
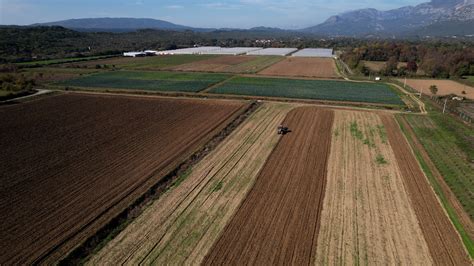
x,y
283,130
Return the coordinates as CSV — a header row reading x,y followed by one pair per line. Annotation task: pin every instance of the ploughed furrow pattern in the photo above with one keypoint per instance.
x,y
180,227
367,216
443,241
72,162
278,222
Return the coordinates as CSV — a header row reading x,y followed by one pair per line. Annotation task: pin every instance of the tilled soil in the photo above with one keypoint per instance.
x,y
303,67
367,216
72,162
221,63
443,241
278,222
445,87
181,227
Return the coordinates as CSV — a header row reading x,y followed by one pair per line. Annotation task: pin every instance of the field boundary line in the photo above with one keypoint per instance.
x,y
213,86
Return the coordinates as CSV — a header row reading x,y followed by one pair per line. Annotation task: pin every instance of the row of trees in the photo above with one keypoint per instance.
x,y
437,60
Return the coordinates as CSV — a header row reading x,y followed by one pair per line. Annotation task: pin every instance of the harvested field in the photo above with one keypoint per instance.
x,y
84,159
141,63
443,241
330,90
367,217
147,80
181,226
278,222
303,67
445,87
230,64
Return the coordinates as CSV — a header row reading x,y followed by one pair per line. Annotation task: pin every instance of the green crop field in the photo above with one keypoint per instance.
x,y
154,81
450,147
311,89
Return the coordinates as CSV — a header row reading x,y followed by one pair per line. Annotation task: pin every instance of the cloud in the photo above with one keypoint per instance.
x,y
174,7
221,6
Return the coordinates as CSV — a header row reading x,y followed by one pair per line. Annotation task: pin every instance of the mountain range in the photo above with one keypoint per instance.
x,y
435,18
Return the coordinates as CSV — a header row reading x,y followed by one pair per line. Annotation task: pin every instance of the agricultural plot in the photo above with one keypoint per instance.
x,y
182,225
452,162
444,243
153,81
303,67
367,217
445,87
86,158
230,64
311,89
278,221
140,63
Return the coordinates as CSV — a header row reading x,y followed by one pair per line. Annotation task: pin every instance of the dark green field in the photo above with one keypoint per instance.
x,y
311,89
154,81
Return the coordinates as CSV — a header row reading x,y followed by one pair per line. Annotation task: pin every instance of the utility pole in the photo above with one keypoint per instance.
x,y
405,84
445,102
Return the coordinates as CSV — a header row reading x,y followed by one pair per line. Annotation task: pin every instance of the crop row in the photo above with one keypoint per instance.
x,y
311,89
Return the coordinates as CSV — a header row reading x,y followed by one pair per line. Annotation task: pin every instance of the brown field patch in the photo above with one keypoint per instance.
x,y
378,66
72,162
218,64
445,87
278,222
367,217
303,67
443,241
181,227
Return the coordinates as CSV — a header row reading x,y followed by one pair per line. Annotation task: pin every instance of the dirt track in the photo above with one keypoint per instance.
x,y
443,241
303,67
181,227
367,217
84,159
278,222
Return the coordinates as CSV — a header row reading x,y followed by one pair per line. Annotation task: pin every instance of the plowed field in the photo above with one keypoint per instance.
x,y
303,67
443,241
367,217
85,158
230,64
278,222
181,226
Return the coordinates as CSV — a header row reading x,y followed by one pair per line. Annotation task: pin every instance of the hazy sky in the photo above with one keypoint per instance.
x,y
206,13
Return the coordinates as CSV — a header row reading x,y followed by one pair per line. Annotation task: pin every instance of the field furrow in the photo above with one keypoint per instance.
x,y
278,221
88,159
367,216
182,225
443,241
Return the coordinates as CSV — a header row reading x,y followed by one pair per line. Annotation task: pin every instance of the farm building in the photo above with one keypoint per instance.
x,y
273,51
233,50
314,52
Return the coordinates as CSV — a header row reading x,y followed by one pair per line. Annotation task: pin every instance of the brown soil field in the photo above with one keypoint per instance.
x,y
445,87
229,64
278,222
367,217
303,67
180,227
84,158
443,241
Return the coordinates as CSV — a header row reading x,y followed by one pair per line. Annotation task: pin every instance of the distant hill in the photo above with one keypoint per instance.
x,y
432,18
118,24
